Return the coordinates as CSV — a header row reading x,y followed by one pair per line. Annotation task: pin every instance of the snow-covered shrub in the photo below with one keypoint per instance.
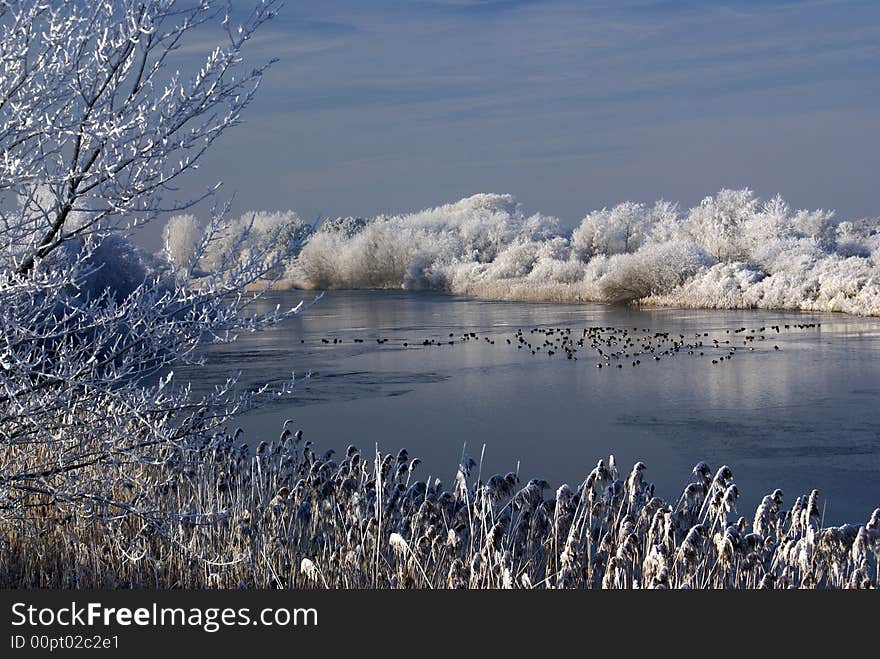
x,y
382,255
655,269
318,265
118,267
723,286
516,261
558,271
422,248
786,254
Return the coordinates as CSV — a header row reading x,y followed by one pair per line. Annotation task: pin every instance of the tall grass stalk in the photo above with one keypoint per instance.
x,y
222,516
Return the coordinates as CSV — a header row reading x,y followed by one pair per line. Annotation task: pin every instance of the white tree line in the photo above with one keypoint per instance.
x,y
731,250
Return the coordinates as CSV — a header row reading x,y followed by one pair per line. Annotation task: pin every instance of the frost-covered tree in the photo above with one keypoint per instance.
x,y
667,223
181,237
718,223
619,230
851,241
96,126
276,234
819,225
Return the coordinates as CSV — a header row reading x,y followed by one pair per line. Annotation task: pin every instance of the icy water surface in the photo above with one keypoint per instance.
x,y
803,416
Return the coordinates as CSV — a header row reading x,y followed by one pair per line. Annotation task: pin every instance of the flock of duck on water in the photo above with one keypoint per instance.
x,y
612,346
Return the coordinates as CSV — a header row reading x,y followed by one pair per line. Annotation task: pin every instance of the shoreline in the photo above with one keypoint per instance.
x,y
648,303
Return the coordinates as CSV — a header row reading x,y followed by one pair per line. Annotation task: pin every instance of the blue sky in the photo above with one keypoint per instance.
x,y
393,105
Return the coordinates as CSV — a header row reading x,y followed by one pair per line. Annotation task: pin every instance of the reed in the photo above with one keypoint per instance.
x,y
217,515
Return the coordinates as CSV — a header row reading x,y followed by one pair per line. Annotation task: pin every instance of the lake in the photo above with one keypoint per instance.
x,y
798,411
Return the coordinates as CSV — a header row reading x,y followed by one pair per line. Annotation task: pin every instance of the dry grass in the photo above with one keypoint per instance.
x,y
219,516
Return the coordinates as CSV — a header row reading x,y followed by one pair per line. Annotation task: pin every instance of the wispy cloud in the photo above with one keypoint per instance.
x,y
405,100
